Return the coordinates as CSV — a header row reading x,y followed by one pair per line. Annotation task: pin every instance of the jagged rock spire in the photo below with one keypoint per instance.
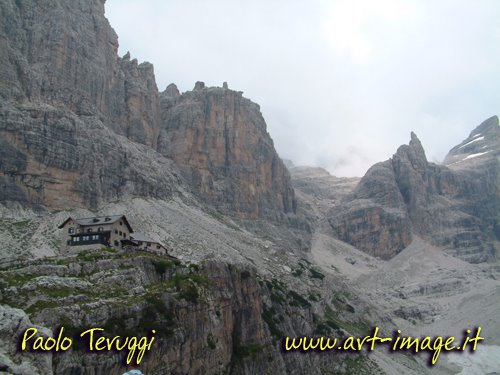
x,y
172,91
199,85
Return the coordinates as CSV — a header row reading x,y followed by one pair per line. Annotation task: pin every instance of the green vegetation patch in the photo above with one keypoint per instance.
x,y
314,297
360,327
185,284
179,280
41,305
211,341
358,364
298,300
340,302
15,279
90,256
249,350
23,225
316,274
157,315
272,321
162,265
58,292
277,290
298,272
241,352
326,326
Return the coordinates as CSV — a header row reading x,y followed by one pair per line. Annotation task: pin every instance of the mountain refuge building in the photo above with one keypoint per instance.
x,y
111,231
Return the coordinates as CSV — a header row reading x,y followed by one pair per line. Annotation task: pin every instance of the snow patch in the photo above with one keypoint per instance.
x,y
474,140
469,157
476,155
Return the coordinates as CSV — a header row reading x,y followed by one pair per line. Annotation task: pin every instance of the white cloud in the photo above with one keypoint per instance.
x,y
364,28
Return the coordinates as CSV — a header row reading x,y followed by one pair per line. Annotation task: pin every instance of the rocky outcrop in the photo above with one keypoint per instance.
x,y
171,91
219,140
408,195
210,319
373,218
13,323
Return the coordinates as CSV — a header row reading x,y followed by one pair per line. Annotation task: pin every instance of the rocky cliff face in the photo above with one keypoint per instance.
x,y
70,109
476,161
64,53
373,218
407,195
80,126
55,159
219,140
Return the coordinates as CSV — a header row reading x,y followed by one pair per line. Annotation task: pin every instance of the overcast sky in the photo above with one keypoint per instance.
x,y
341,83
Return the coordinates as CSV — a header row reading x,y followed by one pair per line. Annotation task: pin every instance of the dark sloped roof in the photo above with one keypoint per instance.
x,y
142,237
64,222
99,220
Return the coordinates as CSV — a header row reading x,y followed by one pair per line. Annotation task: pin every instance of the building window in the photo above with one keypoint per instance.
x,y
69,242
89,230
157,246
79,230
100,229
116,243
120,232
124,235
76,239
71,230
116,232
121,223
149,244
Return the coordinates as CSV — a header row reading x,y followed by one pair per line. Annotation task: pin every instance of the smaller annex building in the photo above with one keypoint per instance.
x,y
112,231
142,242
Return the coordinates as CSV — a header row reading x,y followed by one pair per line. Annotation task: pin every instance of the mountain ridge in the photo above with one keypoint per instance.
x,y
406,195
65,95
